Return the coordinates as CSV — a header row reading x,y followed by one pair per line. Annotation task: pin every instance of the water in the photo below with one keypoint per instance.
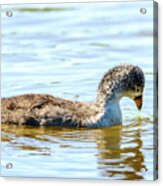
x,y
64,50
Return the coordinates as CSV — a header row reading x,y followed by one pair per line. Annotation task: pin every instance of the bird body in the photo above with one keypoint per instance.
x,y
46,110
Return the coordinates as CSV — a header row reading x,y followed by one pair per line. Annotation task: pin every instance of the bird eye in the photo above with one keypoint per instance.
x,y
137,89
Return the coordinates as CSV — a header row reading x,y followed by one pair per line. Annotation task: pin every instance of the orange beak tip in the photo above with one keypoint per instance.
x,y
138,101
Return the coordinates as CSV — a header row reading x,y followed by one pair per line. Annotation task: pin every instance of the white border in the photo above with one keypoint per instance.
x,y
76,182
59,1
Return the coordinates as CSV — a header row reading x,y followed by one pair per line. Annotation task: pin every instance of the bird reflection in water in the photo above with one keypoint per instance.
x,y
117,149
120,154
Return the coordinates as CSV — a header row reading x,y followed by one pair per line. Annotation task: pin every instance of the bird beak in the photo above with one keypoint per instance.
x,y
138,101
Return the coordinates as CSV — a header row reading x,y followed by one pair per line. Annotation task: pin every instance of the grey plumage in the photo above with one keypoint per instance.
x,y
46,110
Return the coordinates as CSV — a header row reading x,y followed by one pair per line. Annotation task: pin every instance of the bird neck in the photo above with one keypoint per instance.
x,y
103,100
109,109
